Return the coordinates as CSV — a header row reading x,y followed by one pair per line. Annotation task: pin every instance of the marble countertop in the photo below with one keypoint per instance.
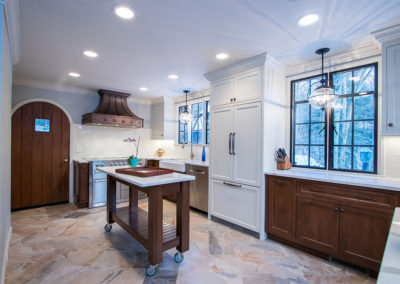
x,y
390,268
148,181
379,182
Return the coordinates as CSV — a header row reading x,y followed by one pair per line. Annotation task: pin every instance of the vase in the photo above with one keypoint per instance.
x,y
134,162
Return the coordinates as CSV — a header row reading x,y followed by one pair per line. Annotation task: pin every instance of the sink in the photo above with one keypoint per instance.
x,y
176,165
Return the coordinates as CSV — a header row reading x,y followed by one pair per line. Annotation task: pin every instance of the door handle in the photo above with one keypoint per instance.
x,y
100,180
230,143
197,172
232,184
66,159
233,143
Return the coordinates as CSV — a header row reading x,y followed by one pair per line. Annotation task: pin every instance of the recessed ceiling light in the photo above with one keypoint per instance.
x,y
307,20
222,56
90,53
144,89
173,76
74,74
355,79
124,12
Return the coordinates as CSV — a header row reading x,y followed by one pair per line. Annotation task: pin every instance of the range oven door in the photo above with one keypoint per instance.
x,y
99,193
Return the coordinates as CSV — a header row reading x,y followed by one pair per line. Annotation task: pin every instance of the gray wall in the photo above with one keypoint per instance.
x,y
75,104
5,147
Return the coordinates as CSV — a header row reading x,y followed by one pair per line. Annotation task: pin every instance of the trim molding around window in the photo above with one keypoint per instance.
x,y
350,142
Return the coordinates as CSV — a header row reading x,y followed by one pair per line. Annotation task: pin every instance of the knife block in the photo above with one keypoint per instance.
x,y
286,165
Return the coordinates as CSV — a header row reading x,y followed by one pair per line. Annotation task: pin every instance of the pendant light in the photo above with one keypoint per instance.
x,y
324,96
186,116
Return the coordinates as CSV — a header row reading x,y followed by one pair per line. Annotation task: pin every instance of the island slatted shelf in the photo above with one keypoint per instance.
x,y
149,228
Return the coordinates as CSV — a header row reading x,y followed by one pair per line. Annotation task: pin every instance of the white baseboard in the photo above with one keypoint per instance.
x,y
5,256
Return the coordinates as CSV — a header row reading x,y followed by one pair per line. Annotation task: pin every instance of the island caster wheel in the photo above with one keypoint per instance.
x,y
178,257
151,270
108,228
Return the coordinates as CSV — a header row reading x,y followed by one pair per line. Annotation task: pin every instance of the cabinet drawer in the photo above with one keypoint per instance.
x,y
235,203
345,193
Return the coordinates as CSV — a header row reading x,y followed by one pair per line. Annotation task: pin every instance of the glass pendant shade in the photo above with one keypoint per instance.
x,y
186,116
323,97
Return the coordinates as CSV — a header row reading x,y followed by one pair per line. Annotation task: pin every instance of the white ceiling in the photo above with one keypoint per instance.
x,y
182,37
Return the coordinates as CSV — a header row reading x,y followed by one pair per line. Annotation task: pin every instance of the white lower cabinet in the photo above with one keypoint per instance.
x,y
235,203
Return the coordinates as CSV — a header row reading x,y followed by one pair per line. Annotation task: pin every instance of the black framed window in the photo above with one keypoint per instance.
x,y
308,132
207,122
197,123
352,132
182,129
353,125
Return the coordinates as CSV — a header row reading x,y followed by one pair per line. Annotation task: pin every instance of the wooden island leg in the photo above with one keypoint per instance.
x,y
111,198
155,235
133,197
182,216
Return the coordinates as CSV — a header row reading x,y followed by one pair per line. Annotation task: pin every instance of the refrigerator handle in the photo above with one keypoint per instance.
x,y
230,143
233,143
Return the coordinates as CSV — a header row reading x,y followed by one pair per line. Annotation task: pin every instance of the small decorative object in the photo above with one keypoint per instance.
x,y
324,96
185,116
160,152
203,154
282,159
133,159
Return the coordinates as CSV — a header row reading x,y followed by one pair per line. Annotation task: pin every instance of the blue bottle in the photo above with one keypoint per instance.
x,y
203,155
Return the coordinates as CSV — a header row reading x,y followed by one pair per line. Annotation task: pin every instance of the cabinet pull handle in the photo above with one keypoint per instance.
x,y
336,209
233,143
366,198
232,184
230,143
197,172
341,209
390,124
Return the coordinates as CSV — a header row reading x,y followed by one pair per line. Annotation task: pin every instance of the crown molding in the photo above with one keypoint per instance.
x,y
387,34
361,52
243,65
11,13
69,89
161,100
193,96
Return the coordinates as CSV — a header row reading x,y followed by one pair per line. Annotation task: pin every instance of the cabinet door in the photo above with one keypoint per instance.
x,y
363,235
391,90
247,144
222,92
317,225
220,157
280,204
237,204
157,121
248,87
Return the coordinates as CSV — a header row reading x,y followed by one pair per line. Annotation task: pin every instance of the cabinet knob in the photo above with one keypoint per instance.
x,y
234,99
336,209
341,209
390,124
231,100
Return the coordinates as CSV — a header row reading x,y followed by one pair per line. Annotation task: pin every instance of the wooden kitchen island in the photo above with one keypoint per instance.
x,y
149,228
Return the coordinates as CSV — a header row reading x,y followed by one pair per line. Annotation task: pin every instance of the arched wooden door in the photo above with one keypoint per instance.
x,y
39,155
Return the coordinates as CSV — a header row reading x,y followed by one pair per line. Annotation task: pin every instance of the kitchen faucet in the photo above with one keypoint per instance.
x,y
191,149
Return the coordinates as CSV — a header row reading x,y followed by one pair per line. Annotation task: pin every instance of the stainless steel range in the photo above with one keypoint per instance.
x,y
98,182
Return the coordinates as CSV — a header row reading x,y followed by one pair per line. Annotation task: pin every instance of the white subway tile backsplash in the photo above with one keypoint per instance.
x,y
391,156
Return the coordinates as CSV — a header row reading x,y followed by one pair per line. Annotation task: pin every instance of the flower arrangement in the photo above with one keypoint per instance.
x,y
133,159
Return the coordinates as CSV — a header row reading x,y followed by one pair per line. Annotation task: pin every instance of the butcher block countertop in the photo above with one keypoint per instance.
x,y
147,181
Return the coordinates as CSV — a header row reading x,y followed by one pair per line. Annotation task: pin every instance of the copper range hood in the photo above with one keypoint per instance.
x,y
113,111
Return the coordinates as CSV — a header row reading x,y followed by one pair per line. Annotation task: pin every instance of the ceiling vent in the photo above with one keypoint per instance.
x,y
113,111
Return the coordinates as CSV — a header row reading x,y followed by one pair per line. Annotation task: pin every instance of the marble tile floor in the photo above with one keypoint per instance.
x,y
63,244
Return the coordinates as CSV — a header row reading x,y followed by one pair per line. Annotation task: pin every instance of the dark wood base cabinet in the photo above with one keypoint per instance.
x,y
342,221
81,184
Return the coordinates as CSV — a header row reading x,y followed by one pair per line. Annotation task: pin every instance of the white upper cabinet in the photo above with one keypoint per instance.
x,y
222,92
162,119
248,87
390,39
391,87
